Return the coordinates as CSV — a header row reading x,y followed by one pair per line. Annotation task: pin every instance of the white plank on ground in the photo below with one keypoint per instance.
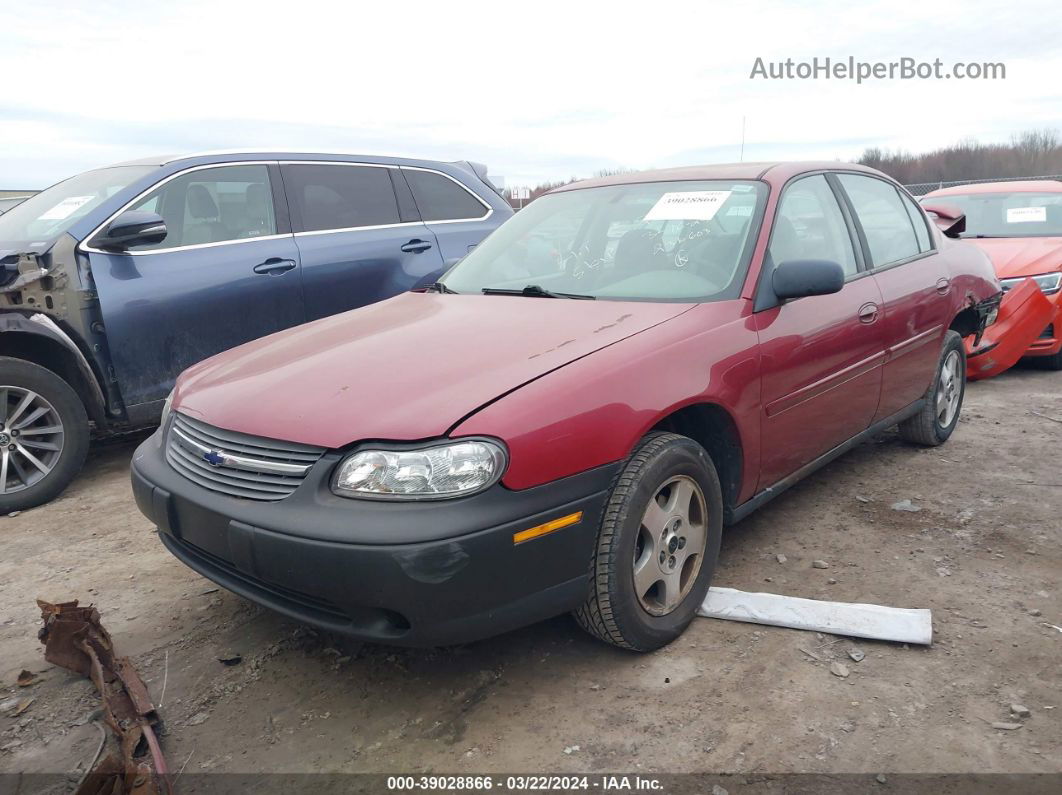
x,y
903,625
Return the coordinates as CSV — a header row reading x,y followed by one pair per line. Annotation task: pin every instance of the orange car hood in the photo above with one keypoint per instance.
x,y
1022,256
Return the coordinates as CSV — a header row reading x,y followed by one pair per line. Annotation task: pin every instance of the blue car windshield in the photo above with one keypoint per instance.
x,y
42,218
652,241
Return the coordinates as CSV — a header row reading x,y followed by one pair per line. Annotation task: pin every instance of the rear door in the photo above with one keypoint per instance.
x,y
227,273
457,217
913,281
821,355
359,241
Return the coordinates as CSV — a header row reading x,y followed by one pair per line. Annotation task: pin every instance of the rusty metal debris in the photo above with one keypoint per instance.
x,y
74,639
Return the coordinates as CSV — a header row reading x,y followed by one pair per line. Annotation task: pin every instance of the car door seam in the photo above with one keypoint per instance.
x,y
824,385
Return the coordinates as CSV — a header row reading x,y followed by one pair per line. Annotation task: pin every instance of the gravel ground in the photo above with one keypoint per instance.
x,y
983,551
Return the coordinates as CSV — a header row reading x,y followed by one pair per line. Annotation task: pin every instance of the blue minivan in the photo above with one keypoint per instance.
x,y
114,281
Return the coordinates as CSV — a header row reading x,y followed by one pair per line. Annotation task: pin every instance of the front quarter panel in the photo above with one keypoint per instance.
x,y
593,411
973,278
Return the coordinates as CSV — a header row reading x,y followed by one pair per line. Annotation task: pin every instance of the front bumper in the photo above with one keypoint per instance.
x,y
1049,342
1023,314
414,574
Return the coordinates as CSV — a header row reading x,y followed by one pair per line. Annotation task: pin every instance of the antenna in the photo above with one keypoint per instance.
x,y
741,157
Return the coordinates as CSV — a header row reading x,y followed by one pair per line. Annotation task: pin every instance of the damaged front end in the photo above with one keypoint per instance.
x,y
1008,325
20,269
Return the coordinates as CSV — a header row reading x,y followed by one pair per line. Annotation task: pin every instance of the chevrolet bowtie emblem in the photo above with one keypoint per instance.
x,y
214,458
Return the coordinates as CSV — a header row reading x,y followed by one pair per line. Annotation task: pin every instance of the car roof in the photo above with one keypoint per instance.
x,y
776,173
273,154
1013,186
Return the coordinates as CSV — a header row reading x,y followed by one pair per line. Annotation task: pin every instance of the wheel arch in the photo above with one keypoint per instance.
x,y
43,343
967,322
714,428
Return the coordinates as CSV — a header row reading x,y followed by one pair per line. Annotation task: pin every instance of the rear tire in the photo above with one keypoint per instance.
x,y
654,560
44,435
934,424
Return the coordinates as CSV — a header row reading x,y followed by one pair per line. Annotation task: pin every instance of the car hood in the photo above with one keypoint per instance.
x,y
407,368
1022,256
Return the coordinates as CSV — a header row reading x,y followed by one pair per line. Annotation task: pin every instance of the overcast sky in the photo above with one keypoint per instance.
x,y
537,90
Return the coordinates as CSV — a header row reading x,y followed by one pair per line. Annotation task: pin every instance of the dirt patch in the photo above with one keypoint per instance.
x,y
983,550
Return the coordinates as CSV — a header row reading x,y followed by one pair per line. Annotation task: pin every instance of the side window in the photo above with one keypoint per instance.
x,y
809,225
212,205
886,223
918,221
439,198
324,197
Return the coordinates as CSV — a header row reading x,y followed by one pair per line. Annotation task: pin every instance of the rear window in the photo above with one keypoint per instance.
x,y
886,223
329,197
440,198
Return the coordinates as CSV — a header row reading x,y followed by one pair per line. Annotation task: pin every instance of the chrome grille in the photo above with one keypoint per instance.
x,y
251,467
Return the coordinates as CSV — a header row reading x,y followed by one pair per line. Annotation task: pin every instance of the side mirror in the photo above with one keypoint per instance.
x,y
798,278
132,228
949,219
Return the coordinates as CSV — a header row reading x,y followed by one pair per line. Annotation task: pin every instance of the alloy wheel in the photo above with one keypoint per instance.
x,y
949,389
670,545
31,438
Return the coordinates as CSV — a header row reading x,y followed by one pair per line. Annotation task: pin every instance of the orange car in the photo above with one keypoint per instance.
x,y
1019,226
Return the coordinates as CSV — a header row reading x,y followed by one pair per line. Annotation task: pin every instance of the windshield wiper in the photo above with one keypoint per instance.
x,y
439,287
535,291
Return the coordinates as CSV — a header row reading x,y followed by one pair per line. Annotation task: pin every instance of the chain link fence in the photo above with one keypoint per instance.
x,y
922,188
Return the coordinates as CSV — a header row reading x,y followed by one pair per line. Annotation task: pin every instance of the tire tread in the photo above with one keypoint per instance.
x,y
922,428
595,615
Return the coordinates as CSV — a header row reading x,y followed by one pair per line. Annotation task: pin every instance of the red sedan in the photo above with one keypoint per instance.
x,y
1019,226
567,420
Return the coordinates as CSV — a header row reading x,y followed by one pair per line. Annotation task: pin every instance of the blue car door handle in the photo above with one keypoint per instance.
x,y
415,246
274,266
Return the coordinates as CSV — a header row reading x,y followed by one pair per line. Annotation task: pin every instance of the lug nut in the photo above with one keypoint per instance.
x,y
671,562
682,542
663,556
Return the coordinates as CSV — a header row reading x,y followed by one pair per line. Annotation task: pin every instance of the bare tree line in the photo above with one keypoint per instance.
x,y
1029,154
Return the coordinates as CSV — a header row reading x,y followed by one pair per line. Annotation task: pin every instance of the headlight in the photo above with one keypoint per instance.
x,y
446,469
1048,282
166,408
163,419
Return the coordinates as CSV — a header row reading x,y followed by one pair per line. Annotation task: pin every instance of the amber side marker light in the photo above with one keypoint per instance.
x,y
547,528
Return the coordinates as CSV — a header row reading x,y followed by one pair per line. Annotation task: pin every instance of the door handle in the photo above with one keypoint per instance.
x,y
868,313
415,246
943,286
274,266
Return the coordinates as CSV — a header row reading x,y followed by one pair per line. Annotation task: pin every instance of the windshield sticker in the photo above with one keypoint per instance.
x,y
66,208
692,205
740,210
1024,215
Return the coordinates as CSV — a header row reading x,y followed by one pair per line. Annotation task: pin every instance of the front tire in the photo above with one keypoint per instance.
x,y
657,546
934,424
44,435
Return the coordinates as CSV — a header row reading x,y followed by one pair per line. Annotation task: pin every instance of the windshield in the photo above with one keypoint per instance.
x,y
662,241
45,216
1010,214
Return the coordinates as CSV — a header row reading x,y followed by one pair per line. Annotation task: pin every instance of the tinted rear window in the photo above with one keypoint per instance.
x,y
326,197
439,198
